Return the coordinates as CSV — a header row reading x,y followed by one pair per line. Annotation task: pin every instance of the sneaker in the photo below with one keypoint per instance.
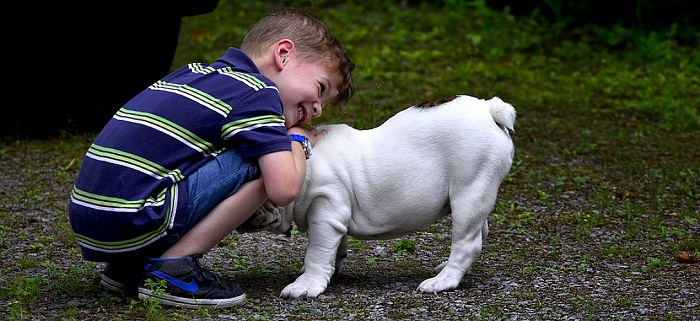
x,y
188,285
122,278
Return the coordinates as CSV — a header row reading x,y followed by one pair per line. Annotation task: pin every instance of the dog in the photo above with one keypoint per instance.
x,y
441,157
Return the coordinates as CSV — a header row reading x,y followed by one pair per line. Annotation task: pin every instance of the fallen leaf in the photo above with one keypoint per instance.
x,y
624,194
685,257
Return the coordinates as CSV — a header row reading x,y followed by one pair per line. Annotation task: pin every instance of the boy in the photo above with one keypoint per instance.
x,y
182,164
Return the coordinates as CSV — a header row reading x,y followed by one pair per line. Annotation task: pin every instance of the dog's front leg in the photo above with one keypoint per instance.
x,y
319,261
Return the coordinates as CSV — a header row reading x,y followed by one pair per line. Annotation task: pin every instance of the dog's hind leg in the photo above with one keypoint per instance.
x,y
470,212
484,234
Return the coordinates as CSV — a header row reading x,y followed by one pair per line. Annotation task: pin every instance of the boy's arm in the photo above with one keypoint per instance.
x,y
283,172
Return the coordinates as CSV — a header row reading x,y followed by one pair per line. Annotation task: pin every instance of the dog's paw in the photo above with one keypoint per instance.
x,y
267,217
439,283
304,286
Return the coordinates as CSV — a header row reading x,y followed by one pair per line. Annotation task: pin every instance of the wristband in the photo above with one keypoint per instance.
x,y
305,143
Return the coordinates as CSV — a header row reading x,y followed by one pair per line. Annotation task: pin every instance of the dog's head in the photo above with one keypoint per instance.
x,y
269,217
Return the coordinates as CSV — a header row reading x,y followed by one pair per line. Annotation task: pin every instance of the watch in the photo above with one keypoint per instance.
x,y
305,143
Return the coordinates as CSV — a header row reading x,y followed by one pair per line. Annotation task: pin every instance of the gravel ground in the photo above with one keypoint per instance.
x,y
497,288
536,264
379,284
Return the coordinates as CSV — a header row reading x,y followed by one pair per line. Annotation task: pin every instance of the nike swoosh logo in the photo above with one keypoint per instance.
x,y
191,287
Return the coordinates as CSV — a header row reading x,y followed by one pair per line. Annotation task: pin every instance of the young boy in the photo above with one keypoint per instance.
x,y
182,164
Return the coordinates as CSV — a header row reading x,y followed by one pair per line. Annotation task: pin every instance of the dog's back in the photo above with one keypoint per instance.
x,y
415,166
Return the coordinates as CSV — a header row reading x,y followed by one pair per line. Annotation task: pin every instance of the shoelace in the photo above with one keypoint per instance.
x,y
204,273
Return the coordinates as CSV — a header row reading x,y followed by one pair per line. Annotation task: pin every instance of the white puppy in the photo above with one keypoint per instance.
x,y
427,161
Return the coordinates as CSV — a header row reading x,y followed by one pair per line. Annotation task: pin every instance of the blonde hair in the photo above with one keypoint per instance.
x,y
313,40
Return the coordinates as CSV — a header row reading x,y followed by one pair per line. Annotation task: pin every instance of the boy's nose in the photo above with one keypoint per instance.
x,y
316,110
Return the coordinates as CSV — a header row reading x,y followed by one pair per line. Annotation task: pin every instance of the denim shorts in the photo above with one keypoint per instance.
x,y
215,181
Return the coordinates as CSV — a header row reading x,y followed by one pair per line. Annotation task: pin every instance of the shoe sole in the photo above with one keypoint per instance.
x,y
176,301
112,285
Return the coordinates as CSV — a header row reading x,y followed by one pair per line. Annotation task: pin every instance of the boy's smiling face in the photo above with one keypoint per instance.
x,y
306,86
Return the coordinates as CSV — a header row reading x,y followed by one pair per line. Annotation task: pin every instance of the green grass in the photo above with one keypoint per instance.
x,y
464,47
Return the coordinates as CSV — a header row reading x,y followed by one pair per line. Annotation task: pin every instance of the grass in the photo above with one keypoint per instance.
x,y
606,144
466,48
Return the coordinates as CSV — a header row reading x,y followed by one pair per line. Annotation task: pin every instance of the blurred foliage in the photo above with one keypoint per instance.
x,y
644,15
410,51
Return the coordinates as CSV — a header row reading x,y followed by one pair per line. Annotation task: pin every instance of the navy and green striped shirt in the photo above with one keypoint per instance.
x,y
128,192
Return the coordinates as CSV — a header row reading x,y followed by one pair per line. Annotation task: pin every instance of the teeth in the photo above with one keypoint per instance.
x,y
300,113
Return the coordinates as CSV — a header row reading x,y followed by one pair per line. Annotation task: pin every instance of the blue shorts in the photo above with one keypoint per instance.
x,y
214,182
208,186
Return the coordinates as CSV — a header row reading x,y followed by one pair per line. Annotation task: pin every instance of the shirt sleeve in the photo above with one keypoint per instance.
x,y
255,125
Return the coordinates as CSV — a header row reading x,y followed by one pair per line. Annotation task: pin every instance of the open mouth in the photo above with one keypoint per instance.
x,y
301,114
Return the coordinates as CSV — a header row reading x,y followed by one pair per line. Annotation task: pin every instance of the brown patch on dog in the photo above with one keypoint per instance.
x,y
436,102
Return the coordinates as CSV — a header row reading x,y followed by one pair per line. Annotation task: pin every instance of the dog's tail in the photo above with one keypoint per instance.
x,y
503,114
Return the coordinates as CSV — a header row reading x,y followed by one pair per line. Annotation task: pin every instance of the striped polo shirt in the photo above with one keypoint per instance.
x,y
128,193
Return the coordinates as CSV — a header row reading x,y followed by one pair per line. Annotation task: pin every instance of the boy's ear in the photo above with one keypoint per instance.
x,y
284,49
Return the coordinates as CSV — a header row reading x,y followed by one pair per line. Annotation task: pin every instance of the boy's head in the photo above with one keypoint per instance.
x,y
313,40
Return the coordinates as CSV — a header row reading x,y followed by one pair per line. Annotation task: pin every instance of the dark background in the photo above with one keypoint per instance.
x,y
70,67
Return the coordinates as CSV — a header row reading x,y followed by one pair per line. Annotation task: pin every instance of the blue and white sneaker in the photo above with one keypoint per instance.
x,y
188,285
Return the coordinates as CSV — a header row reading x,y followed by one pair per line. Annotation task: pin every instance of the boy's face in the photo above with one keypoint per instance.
x,y
306,88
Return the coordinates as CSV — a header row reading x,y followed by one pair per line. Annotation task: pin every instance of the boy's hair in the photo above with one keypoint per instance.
x,y
313,40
